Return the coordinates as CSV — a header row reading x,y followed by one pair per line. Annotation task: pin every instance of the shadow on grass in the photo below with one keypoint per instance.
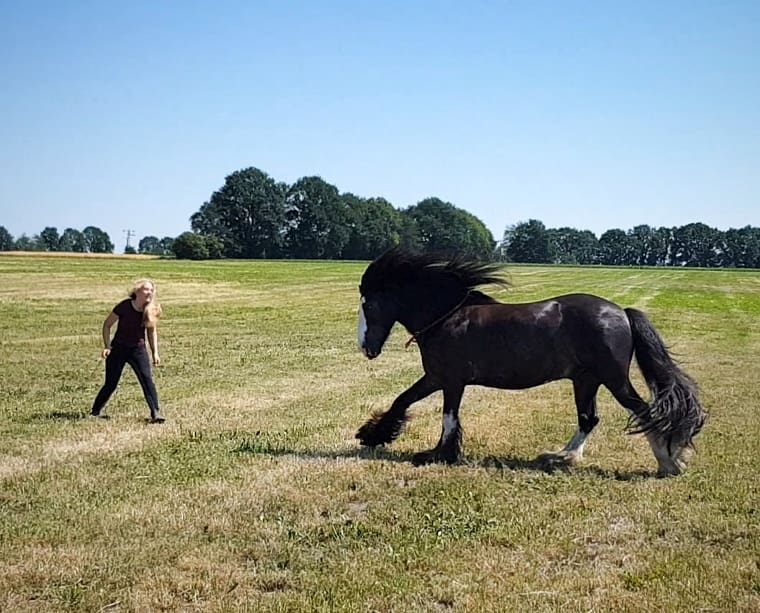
x,y
61,415
263,445
76,416
539,464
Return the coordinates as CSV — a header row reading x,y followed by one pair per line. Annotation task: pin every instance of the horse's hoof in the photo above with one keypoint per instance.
x,y
671,468
449,457
434,456
422,458
366,434
556,459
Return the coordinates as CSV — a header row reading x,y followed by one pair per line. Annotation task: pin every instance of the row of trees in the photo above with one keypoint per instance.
x,y
254,216
90,240
694,244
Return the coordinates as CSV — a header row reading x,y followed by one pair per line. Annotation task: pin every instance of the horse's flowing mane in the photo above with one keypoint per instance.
x,y
399,266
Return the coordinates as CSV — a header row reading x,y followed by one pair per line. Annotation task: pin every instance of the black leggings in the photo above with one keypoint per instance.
x,y
137,358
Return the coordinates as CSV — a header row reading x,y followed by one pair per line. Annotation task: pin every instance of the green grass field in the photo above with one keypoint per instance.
x,y
255,496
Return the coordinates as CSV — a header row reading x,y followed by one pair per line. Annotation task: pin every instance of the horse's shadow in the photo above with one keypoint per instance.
x,y
540,464
496,463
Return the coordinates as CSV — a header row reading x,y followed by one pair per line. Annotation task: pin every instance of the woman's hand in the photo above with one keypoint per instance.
x,y
156,359
105,353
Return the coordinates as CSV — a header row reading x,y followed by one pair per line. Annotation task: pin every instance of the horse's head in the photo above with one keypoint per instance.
x,y
377,314
383,290
415,290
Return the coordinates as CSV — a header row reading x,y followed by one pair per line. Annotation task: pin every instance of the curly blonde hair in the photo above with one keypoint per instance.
x,y
153,309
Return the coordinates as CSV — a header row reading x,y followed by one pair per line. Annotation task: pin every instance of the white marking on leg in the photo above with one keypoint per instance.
x,y
362,328
666,464
575,445
450,424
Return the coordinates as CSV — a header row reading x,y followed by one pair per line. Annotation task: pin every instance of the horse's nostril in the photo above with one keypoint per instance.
x,y
369,353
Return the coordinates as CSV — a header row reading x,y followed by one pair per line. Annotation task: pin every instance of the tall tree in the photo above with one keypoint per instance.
x,y
149,245
659,247
587,247
50,238
696,244
190,246
26,243
571,246
743,247
375,227
72,240
527,242
614,248
6,240
441,226
166,245
641,244
409,236
319,221
96,240
247,214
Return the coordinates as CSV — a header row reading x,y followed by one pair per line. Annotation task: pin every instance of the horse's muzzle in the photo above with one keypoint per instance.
x,y
370,354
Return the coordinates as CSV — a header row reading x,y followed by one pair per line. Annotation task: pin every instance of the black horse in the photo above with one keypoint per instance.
x,y
468,338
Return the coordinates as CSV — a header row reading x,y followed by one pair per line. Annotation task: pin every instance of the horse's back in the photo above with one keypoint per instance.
x,y
569,312
585,323
525,344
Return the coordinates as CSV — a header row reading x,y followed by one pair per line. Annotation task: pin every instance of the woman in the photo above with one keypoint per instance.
x,y
136,315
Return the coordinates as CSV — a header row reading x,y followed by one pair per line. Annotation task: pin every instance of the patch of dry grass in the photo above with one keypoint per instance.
x,y
255,496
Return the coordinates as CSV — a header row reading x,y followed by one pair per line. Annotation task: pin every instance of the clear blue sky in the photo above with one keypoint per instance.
x,y
594,115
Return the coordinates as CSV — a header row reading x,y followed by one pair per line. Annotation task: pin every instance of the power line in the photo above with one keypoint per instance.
x,y
130,234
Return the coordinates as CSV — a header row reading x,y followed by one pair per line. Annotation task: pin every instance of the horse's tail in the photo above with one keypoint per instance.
x,y
675,412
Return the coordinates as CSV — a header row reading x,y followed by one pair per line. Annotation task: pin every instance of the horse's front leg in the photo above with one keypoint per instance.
x,y
383,428
450,444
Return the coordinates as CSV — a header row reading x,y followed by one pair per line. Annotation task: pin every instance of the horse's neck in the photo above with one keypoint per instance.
x,y
416,320
478,297
422,311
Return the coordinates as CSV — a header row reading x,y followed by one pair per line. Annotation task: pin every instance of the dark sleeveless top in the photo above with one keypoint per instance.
x,y
130,331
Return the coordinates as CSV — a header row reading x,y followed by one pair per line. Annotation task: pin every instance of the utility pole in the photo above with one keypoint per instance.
x,y
130,234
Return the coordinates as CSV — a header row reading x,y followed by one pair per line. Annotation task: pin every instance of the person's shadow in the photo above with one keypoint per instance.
x,y
62,415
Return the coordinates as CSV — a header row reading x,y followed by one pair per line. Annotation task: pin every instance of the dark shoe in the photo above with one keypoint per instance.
x,y
157,418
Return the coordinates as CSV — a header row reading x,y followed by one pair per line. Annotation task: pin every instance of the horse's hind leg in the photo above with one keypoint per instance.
x,y
585,403
669,462
383,428
450,444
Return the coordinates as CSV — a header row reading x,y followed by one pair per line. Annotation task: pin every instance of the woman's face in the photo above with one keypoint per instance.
x,y
144,293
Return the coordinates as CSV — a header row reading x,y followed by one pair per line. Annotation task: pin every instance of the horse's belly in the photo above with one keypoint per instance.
x,y
503,354
516,379
511,369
